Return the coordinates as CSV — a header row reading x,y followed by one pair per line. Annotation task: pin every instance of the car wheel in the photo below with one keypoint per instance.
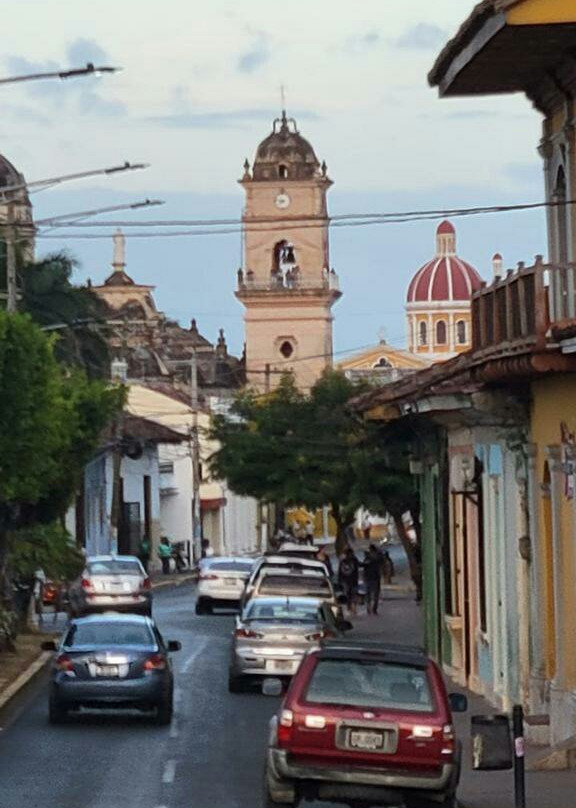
x,y
57,713
203,607
164,711
235,684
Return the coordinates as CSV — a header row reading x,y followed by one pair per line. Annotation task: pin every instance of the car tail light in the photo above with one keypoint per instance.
x,y
146,584
156,662
64,663
247,633
285,725
87,584
447,740
315,722
207,577
317,636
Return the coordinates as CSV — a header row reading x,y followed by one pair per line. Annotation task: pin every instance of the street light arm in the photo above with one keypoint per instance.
x,y
41,184
64,218
89,70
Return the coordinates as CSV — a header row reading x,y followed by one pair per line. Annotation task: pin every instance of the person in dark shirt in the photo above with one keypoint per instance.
x,y
348,569
372,565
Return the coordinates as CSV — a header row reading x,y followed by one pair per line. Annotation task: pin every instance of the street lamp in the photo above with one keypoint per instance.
x,y
89,70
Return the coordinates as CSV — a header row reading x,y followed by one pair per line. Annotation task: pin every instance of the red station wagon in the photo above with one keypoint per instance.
x,y
365,724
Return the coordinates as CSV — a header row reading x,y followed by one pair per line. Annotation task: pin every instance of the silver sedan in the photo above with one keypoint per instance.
x,y
273,634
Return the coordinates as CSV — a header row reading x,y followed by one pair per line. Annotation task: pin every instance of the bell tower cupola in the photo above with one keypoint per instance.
x,y
286,284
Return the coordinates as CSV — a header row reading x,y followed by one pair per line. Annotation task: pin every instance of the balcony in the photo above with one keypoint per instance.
x,y
288,282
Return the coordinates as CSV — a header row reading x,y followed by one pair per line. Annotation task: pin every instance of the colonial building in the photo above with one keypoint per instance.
x,y
382,364
158,350
17,234
286,284
438,301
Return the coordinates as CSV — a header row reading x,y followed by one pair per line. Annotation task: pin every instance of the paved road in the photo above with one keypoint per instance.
x,y
211,756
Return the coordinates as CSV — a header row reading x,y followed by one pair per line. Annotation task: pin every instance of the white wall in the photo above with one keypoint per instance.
x,y
240,525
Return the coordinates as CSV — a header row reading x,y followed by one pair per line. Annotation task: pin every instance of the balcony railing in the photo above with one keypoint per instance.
x,y
286,282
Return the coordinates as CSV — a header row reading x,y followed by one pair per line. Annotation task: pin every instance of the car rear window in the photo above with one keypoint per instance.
x,y
109,634
115,567
289,612
303,584
374,684
230,566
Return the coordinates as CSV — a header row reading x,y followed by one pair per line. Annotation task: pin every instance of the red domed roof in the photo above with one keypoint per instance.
x,y
446,277
445,227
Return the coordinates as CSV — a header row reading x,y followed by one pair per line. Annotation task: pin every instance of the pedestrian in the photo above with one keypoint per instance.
x,y
144,552
165,554
372,565
323,556
366,525
38,593
207,550
309,532
388,571
348,570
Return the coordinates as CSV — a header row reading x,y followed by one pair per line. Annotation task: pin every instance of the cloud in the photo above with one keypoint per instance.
x,y
84,94
363,42
223,119
423,36
256,56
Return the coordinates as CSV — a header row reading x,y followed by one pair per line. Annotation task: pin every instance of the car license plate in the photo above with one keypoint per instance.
x,y
111,671
280,665
366,739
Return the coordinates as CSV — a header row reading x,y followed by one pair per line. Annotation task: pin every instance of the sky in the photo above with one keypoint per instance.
x,y
199,89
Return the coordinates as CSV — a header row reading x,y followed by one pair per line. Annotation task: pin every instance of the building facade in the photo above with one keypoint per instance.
x,y
286,285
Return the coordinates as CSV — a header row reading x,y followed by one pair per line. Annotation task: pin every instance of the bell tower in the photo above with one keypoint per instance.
x,y
286,284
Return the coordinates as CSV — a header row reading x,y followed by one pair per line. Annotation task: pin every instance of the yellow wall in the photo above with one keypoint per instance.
x,y
554,402
534,12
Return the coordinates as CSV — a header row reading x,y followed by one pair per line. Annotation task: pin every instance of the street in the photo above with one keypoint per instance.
x,y
211,756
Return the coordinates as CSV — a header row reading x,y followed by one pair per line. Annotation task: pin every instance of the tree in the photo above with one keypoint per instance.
x,y
314,450
51,421
51,299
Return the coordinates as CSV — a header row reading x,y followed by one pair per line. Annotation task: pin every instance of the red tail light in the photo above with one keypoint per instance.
x,y
156,662
87,584
247,633
447,740
207,577
317,636
64,663
285,726
146,583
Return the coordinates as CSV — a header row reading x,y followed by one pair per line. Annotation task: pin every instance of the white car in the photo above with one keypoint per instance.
x,y
221,582
285,562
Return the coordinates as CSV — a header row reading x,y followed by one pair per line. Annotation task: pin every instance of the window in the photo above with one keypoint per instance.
x,y
441,332
286,349
370,684
382,363
283,172
109,634
461,336
115,567
423,333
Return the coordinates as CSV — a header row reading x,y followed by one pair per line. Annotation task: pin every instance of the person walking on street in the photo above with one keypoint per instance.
x,y
323,556
144,552
372,564
387,568
165,554
309,532
348,569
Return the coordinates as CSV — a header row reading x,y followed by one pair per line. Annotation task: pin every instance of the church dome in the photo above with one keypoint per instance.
x,y
446,277
10,177
285,154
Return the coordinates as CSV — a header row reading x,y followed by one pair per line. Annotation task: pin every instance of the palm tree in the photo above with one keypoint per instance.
x,y
75,313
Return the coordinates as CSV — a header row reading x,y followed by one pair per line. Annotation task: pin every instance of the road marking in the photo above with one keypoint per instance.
x,y
169,772
192,658
174,730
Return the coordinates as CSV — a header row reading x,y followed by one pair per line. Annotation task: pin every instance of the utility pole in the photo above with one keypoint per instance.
x,y
195,454
11,273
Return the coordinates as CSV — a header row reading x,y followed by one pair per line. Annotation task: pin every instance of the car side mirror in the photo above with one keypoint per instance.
x,y
48,645
272,687
174,645
458,702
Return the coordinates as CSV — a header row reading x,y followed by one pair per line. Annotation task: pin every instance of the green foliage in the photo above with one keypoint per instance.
x,y
313,451
47,547
51,421
51,299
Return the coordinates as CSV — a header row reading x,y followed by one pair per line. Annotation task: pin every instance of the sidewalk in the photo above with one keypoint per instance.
x,y
400,621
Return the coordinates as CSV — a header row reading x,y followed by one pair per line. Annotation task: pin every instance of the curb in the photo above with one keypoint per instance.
x,y
24,678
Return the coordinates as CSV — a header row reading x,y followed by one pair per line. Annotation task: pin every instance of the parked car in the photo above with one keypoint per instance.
x,y
365,724
273,634
111,583
221,582
114,661
284,562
